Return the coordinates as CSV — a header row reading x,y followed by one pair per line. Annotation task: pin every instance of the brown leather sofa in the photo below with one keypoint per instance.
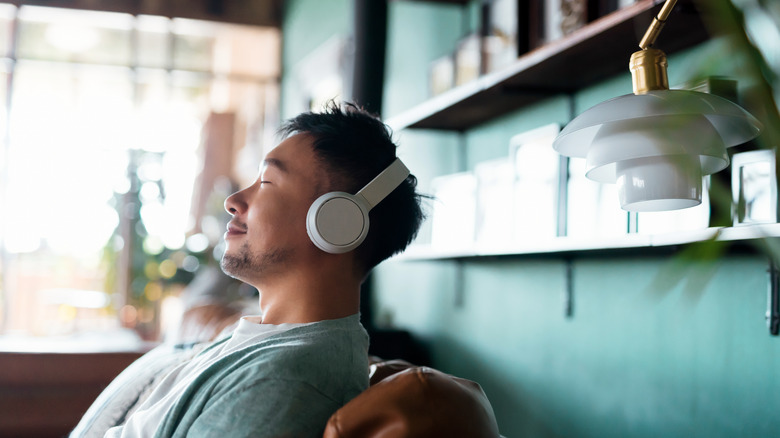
x,y
407,401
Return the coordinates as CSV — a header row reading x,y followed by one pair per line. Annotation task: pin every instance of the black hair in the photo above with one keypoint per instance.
x,y
354,147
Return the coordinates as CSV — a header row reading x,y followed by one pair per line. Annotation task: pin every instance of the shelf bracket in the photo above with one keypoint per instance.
x,y
773,300
460,287
568,289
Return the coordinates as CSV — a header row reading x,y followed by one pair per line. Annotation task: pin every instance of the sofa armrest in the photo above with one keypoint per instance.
x,y
415,402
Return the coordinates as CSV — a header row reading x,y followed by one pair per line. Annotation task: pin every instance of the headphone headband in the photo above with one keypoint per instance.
x,y
383,184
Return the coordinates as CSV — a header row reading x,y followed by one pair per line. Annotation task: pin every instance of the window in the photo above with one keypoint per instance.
x,y
103,217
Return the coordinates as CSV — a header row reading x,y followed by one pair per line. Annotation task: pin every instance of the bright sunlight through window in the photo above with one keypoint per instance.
x,y
103,118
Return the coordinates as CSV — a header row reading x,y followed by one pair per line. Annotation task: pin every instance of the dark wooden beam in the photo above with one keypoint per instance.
x,y
370,29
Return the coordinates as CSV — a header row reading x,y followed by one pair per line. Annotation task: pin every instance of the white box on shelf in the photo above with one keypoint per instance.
x,y
495,217
535,196
592,208
454,211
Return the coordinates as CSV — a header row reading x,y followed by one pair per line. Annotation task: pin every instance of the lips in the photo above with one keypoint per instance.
x,y
235,228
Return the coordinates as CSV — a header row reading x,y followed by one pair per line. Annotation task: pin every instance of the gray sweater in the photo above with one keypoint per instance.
x,y
287,385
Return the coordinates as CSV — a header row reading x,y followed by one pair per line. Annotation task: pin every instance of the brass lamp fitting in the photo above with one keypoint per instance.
x,y
658,23
648,66
648,71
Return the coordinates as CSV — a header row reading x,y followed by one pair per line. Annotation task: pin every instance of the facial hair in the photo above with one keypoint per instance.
x,y
246,265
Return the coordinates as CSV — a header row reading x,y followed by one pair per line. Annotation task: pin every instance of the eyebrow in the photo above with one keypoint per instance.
x,y
279,164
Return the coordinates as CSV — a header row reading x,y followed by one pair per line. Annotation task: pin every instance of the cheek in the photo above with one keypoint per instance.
x,y
281,220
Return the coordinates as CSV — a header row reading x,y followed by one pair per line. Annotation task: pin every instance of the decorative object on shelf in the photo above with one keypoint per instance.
x,y
754,187
442,75
500,44
562,17
467,59
574,15
656,143
551,17
454,211
536,191
495,220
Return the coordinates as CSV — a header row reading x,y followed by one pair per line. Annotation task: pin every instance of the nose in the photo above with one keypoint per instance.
x,y
235,203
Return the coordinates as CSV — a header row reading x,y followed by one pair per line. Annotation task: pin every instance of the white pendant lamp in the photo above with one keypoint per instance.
x,y
656,144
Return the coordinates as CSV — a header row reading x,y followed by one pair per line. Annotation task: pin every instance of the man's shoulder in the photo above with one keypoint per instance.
x,y
317,347
334,361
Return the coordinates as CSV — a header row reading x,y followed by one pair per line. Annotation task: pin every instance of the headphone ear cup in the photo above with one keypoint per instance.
x,y
337,222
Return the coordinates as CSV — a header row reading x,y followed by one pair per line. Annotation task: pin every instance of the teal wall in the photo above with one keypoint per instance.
x,y
307,24
657,345
638,358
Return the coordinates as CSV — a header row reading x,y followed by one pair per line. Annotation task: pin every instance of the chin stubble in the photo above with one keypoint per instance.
x,y
246,265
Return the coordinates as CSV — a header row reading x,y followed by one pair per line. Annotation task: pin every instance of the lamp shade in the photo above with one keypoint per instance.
x,y
656,146
669,182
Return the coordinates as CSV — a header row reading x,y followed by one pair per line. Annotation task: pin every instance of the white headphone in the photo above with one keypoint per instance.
x,y
337,222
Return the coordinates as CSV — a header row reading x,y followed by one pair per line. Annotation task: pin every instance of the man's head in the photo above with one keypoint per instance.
x,y
337,150
354,147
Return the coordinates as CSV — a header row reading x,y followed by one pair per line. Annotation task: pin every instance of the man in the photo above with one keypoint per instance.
x,y
285,372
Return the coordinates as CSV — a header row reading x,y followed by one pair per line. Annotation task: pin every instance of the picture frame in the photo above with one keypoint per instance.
x,y
754,187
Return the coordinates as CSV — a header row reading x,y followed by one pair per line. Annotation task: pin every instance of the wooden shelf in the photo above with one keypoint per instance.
x,y
592,54
571,246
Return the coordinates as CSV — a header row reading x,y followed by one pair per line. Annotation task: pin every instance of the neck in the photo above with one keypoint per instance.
x,y
315,292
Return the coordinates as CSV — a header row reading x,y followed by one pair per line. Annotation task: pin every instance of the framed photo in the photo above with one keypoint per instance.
x,y
536,188
454,211
754,187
